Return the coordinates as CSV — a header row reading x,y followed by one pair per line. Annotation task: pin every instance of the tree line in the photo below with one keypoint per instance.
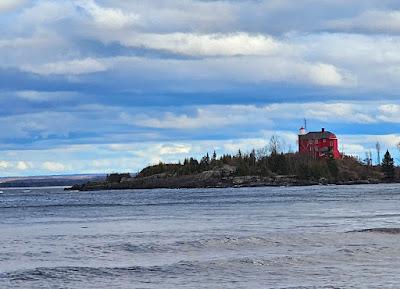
x,y
271,161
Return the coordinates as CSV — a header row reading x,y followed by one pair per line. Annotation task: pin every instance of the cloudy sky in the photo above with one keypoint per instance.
x,y
92,86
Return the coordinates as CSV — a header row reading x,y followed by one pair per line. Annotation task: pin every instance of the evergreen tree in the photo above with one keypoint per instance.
x,y
214,157
388,166
278,164
204,163
252,157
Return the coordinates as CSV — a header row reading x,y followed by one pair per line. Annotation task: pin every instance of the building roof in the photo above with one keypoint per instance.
x,y
317,135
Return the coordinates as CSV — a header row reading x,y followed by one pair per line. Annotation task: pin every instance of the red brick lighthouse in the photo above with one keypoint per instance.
x,y
321,144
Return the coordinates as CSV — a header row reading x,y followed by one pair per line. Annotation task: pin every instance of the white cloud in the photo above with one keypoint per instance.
x,y
46,12
270,59
206,117
387,141
172,15
175,149
299,71
219,116
7,5
300,58
54,166
206,44
342,112
241,69
133,148
23,165
389,113
258,16
39,124
4,165
72,67
18,42
184,121
353,149
276,61
34,50
381,21
326,74
108,17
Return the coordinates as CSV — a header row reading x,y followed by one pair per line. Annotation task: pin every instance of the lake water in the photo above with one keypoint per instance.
x,y
201,238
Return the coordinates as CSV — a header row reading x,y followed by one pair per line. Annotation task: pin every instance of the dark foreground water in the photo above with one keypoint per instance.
x,y
203,238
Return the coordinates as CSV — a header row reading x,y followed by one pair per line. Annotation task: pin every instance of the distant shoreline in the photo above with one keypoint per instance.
x,y
49,181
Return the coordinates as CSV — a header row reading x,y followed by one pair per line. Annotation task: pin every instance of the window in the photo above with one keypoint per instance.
x,y
316,149
310,141
324,140
331,144
316,141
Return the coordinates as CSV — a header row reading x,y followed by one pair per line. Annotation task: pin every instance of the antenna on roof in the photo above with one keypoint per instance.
x,y
305,124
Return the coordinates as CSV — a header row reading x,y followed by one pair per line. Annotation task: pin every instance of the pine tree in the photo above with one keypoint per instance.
x,y
214,156
252,158
388,166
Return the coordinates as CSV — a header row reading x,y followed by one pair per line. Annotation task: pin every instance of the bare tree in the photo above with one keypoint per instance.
x,y
274,145
370,157
378,152
261,153
367,159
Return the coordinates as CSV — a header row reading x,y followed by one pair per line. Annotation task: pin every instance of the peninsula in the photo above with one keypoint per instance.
x,y
252,169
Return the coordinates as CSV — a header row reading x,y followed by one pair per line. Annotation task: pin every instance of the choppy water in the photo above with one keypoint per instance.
x,y
203,238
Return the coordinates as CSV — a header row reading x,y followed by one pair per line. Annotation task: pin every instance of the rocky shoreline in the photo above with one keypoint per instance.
x,y
207,179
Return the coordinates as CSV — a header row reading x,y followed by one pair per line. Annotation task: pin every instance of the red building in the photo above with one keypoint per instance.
x,y
319,144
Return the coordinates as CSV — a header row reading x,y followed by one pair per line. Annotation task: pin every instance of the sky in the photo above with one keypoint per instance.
x,y
98,86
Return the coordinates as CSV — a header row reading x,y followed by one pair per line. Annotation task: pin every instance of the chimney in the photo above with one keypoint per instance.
x,y
323,129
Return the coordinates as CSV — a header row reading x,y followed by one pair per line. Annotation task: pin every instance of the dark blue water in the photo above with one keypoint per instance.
x,y
203,238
